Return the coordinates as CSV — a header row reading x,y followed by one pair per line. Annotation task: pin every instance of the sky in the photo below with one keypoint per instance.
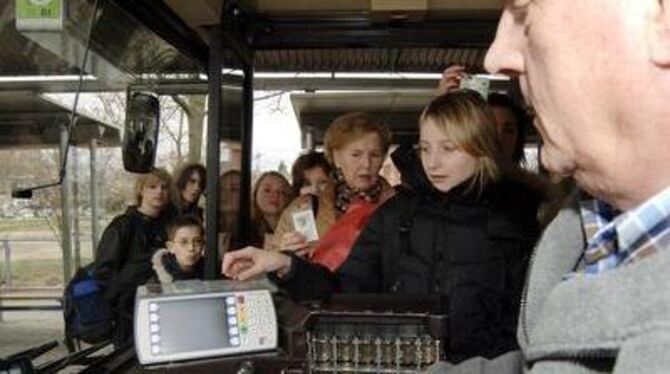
x,y
276,134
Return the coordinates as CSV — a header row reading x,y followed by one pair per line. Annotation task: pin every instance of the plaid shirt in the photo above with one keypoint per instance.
x,y
623,238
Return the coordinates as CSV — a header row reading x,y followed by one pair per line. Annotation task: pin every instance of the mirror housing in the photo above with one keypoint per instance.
x,y
140,135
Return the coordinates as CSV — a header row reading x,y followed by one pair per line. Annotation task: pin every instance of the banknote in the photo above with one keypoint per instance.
x,y
305,223
475,83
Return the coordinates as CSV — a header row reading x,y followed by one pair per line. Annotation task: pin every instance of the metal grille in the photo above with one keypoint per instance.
x,y
429,60
379,352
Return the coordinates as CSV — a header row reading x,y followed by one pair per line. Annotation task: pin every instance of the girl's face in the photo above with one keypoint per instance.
x,y
193,188
445,164
272,195
315,181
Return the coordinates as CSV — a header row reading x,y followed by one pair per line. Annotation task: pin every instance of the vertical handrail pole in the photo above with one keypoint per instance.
x,y
95,220
66,235
244,227
75,208
213,154
8,263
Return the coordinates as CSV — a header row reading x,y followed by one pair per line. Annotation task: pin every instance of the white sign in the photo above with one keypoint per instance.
x,y
39,15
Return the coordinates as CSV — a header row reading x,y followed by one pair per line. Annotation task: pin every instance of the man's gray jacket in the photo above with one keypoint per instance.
x,y
616,322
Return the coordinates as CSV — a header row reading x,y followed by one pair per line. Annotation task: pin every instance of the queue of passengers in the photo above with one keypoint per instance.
x,y
461,224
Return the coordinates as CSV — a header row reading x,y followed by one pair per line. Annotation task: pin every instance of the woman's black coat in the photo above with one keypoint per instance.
x,y
471,248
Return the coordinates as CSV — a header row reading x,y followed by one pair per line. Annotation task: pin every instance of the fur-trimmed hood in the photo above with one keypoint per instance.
x,y
167,269
159,267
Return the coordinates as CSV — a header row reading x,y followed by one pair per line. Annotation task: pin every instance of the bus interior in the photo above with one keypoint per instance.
x,y
209,62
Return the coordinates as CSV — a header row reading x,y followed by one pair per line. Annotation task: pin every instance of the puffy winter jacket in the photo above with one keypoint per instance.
x,y
471,248
123,262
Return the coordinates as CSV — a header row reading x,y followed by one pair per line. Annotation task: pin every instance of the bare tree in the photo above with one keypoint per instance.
x,y
193,106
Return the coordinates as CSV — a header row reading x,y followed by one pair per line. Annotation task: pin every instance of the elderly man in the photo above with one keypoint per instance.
x,y
597,73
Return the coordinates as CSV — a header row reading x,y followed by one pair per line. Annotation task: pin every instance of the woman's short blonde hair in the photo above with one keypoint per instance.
x,y
468,121
155,175
350,127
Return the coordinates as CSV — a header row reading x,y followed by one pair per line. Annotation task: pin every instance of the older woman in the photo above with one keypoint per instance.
x,y
123,256
462,229
190,184
270,196
355,144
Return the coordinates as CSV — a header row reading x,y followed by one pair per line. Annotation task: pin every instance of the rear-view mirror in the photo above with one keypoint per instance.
x,y
140,136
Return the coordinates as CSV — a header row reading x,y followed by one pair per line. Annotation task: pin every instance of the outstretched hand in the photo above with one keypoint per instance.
x,y
250,262
451,79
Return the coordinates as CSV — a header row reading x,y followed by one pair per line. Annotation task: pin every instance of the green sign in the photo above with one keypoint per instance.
x,y
39,14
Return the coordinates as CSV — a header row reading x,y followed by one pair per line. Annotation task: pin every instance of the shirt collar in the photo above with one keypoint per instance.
x,y
617,238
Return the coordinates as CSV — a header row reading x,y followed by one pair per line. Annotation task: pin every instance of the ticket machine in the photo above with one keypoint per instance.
x,y
195,319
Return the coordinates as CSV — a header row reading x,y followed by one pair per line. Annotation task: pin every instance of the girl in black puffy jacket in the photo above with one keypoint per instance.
x,y
462,226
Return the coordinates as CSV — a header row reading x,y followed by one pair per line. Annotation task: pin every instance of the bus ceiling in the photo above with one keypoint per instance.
x,y
348,35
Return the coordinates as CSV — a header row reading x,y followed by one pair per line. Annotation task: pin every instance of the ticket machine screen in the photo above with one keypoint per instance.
x,y
210,322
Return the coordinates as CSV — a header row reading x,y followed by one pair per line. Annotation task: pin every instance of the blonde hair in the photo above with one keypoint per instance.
x,y
466,118
350,127
156,174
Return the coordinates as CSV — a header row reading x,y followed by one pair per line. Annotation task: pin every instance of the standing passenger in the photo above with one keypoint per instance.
x,y
123,259
229,210
311,174
182,257
511,119
270,196
355,144
190,184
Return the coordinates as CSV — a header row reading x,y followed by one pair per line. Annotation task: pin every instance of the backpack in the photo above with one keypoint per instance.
x,y
87,315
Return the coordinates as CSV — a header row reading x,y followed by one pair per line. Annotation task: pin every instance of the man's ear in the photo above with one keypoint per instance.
x,y
659,33
169,246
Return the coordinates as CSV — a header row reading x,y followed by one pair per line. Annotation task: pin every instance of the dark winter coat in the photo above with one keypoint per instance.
x,y
471,248
123,262
192,209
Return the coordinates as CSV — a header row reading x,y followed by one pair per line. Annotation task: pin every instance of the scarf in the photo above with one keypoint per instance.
x,y
345,195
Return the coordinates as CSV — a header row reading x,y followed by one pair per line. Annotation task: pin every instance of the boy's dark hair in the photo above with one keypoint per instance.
x,y
185,220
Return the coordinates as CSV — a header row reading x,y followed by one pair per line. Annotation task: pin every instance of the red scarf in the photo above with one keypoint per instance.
x,y
334,247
